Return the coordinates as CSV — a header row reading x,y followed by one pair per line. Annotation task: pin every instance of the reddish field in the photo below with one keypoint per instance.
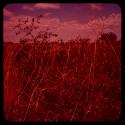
x,y
73,81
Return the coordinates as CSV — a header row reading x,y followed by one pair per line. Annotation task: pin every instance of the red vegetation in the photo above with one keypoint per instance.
x,y
72,81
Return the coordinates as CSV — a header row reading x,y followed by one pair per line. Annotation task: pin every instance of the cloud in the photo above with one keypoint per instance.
x,y
27,7
7,13
112,23
97,7
41,6
47,6
48,14
70,29
112,20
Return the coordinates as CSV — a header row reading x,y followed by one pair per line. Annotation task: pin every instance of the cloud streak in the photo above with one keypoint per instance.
x,y
47,6
43,6
27,7
97,7
7,13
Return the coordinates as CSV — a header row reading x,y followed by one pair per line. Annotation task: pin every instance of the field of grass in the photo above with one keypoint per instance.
x,y
67,81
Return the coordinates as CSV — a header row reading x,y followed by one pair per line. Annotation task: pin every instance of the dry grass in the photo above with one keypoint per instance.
x,y
73,81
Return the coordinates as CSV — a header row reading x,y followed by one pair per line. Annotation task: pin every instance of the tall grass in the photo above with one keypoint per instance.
x,y
62,81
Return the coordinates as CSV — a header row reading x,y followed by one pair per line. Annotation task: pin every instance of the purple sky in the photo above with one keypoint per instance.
x,y
68,20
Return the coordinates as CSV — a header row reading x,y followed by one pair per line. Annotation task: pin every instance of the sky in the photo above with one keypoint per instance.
x,y
67,20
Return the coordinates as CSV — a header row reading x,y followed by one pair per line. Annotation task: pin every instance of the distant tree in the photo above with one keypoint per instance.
x,y
107,37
